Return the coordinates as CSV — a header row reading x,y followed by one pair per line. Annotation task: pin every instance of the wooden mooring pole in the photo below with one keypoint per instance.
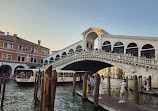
x,y
108,82
84,87
136,93
0,84
53,88
74,84
41,95
96,90
149,83
140,83
127,82
3,92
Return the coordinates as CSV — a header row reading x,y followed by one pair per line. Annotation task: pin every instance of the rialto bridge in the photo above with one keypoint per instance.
x,y
135,55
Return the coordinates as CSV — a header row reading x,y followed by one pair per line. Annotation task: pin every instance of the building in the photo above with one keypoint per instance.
x,y
16,52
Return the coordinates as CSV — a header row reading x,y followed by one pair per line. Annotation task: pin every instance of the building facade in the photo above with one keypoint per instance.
x,y
16,52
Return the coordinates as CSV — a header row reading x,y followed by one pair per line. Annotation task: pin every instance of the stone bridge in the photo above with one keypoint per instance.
x,y
135,55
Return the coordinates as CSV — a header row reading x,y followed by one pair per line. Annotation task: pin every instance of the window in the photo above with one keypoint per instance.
x,y
19,58
23,48
31,60
4,56
42,51
19,47
60,74
41,60
9,57
71,74
65,74
35,60
5,45
36,50
10,46
23,59
32,49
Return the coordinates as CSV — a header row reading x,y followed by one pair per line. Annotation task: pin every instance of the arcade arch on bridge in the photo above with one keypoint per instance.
x,y
45,62
106,46
79,48
118,47
90,39
51,60
148,51
64,54
57,57
132,49
71,51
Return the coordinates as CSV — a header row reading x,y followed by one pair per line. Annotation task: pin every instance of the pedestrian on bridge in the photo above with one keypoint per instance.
x,y
101,87
92,84
122,91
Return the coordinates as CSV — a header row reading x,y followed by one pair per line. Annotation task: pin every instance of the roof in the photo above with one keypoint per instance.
x,y
19,40
97,30
132,37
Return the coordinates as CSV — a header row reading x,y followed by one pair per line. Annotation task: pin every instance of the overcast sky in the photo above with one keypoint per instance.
x,y
59,23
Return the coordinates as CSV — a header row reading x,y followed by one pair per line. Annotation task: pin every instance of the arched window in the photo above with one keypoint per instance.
x,y
106,46
57,57
51,60
148,51
118,47
71,51
64,54
79,48
132,49
45,62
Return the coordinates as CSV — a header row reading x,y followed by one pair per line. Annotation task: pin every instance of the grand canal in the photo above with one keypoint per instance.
x,y
20,98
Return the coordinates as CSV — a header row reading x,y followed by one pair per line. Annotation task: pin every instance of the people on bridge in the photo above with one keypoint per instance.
x,y
101,87
92,84
122,91
88,84
145,83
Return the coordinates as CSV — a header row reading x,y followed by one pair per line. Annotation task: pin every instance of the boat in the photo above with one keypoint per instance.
x,y
27,76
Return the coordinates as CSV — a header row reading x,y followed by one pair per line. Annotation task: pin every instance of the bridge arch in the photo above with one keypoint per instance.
x,y
51,60
106,46
90,40
118,47
79,48
83,64
132,48
64,54
148,51
57,57
71,51
45,62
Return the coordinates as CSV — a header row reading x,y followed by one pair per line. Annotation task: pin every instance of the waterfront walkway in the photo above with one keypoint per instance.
x,y
111,104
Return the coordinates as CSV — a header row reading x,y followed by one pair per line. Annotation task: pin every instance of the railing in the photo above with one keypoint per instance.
x,y
105,55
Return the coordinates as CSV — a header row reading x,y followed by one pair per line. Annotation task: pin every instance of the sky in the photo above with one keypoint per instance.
x,y
59,23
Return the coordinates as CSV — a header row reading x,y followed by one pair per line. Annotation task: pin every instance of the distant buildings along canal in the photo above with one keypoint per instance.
x,y
17,52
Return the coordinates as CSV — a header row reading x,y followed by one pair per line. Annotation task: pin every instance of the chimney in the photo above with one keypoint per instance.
x,y
7,33
15,37
39,43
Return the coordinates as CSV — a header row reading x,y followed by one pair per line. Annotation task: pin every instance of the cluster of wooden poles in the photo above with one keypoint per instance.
x,y
96,87
45,86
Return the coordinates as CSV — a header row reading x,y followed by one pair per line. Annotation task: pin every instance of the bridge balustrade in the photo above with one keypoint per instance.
x,y
105,55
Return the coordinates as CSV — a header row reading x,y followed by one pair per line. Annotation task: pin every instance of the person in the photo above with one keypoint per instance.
x,y
145,83
92,84
101,87
122,91
88,84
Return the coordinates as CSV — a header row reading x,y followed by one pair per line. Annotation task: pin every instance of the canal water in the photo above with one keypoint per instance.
x,y
20,98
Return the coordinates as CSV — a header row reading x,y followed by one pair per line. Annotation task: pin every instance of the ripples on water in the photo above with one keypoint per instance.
x,y
20,98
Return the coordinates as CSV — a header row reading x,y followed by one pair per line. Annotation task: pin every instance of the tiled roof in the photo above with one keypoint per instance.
x,y
18,40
